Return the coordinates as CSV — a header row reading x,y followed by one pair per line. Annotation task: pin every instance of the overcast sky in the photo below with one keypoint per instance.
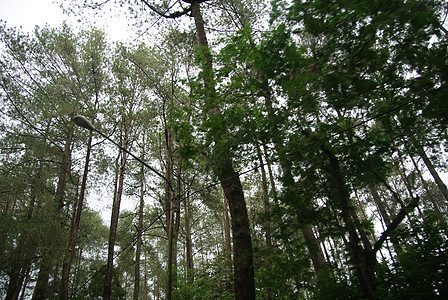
x,y
29,13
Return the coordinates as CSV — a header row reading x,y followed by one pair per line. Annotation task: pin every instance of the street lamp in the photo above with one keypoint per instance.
x,y
84,123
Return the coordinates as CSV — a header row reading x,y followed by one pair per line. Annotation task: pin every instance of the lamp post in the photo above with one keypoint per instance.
x,y
83,122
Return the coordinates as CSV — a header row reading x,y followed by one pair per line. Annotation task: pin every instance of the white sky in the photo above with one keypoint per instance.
x,y
29,13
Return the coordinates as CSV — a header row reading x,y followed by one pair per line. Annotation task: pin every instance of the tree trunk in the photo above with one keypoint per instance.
x,y
139,227
267,222
379,204
107,288
15,284
431,169
23,262
428,192
145,277
189,244
229,178
314,249
47,261
170,229
73,234
271,176
177,220
27,278
228,239
242,243
364,259
170,208
265,196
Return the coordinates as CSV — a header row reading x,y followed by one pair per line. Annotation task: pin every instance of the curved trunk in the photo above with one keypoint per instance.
x,y
363,258
229,178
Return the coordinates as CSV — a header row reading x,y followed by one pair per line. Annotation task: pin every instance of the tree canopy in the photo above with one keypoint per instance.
x,y
299,151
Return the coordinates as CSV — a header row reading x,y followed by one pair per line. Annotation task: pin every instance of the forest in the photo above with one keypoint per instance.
x,y
238,150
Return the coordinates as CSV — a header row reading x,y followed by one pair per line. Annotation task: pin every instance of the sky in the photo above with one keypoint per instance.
x,y
29,13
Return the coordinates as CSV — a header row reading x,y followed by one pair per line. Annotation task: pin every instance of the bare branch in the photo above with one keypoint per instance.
x,y
168,16
400,216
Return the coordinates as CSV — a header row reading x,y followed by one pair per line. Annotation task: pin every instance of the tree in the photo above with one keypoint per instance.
x,y
94,73
333,113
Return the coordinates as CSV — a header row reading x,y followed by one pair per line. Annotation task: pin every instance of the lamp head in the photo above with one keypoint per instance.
x,y
83,122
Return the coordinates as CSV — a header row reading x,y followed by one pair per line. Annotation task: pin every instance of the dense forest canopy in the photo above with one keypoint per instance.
x,y
283,150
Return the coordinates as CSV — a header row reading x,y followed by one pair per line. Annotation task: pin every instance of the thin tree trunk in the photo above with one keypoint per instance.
x,y
145,277
379,203
267,222
177,221
312,244
170,204
27,278
271,176
73,235
139,227
189,244
428,192
47,261
169,284
25,250
430,166
227,241
265,196
107,288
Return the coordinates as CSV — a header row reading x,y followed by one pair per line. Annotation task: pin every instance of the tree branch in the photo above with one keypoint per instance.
x,y
400,216
168,16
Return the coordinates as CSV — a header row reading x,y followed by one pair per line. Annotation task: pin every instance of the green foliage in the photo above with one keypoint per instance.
x,y
354,84
334,285
421,271
94,288
286,273
205,286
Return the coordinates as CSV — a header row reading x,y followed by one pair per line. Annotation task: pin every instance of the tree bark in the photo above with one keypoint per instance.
x,y
287,179
47,261
73,234
431,169
189,244
363,258
229,178
139,227
107,288
242,242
